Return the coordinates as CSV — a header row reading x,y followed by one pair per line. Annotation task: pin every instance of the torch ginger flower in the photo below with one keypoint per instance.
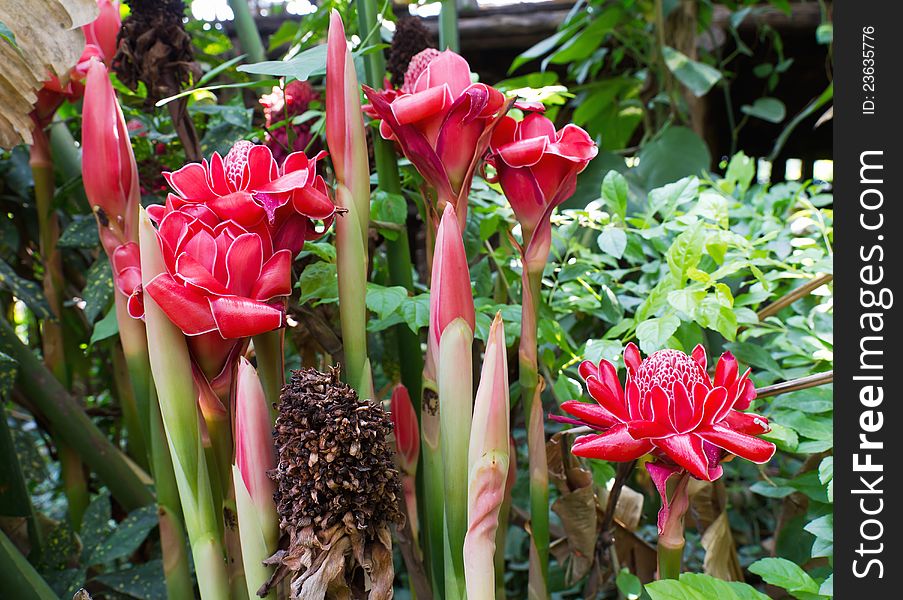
x,y
282,105
249,188
670,407
442,122
537,168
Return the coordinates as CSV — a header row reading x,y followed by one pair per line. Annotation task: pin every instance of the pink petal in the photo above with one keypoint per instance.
x,y
186,308
661,408
726,370
198,276
239,207
614,445
416,107
447,69
715,404
275,277
261,167
745,446
699,356
243,263
648,429
682,409
610,402
242,317
534,126
590,413
313,203
687,451
523,153
190,182
632,356
748,423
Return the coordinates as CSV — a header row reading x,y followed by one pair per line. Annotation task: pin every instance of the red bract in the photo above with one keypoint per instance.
x,y
673,409
442,123
406,429
537,168
250,189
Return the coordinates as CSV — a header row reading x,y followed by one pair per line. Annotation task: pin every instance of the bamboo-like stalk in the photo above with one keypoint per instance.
x,y
455,380
171,367
136,447
794,295
433,486
269,349
536,443
448,26
246,28
72,424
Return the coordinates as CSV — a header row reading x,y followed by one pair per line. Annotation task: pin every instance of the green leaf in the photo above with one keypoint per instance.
x,y
144,581
385,300
8,370
824,34
628,583
668,197
672,589
754,355
686,300
614,193
826,475
740,171
310,63
106,327
25,290
322,250
827,586
686,251
785,438
698,77
714,314
391,208
95,523
319,283
678,152
822,527
654,333
540,48
767,109
416,311
98,291
126,538
784,574
613,241
80,233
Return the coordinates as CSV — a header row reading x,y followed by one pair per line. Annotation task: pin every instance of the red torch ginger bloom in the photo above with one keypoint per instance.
x,y
249,188
219,276
670,407
281,105
442,122
537,168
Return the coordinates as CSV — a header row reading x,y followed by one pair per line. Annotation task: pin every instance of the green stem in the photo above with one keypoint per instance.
x,y
269,350
248,35
72,424
136,446
670,547
433,514
669,560
448,26
18,579
536,443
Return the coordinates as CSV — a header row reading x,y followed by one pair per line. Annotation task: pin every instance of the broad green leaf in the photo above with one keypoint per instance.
x,y
388,208
25,290
785,438
826,475
416,312
827,586
686,300
686,251
108,326
322,250
144,581
767,109
754,355
628,583
127,536
98,291
740,171
613,241
770,490
80,233
672,589
677,153
319,283
96,525
668,197
714,314
384,300
822,527
654,333
614,193
784,574
310,63
698,77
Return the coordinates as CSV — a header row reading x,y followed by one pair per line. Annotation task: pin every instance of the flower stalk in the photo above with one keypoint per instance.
x,y
171,367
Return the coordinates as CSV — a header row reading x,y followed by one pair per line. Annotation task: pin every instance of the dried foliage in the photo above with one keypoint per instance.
x,y
410,39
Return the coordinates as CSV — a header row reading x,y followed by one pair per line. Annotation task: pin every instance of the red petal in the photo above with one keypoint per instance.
x,y
714,404
313,203
661,408
745,446
726,370
682,409
648,429
748,423
275,277
687,451
587,368
243,263
242,317
590,413
610,402
186,308
420,105
195,274
447,69
261,167
699,356
632,356
615,445
190,182
239,207
632,396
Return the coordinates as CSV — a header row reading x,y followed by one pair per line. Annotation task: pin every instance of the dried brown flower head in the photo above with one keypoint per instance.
x,y
337,490
411,37
155,48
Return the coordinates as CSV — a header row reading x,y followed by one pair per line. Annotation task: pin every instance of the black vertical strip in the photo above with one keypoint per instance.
x,y
868,408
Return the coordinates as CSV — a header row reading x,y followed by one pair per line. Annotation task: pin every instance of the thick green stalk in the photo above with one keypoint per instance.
x,y
536,443
171,367
269,349
135,446
455,379
671,541
248,35
18,579
433,517
448,26
72,424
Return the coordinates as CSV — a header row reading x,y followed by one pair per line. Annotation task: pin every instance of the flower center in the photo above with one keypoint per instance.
x,y
235,162
417,66
666,367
